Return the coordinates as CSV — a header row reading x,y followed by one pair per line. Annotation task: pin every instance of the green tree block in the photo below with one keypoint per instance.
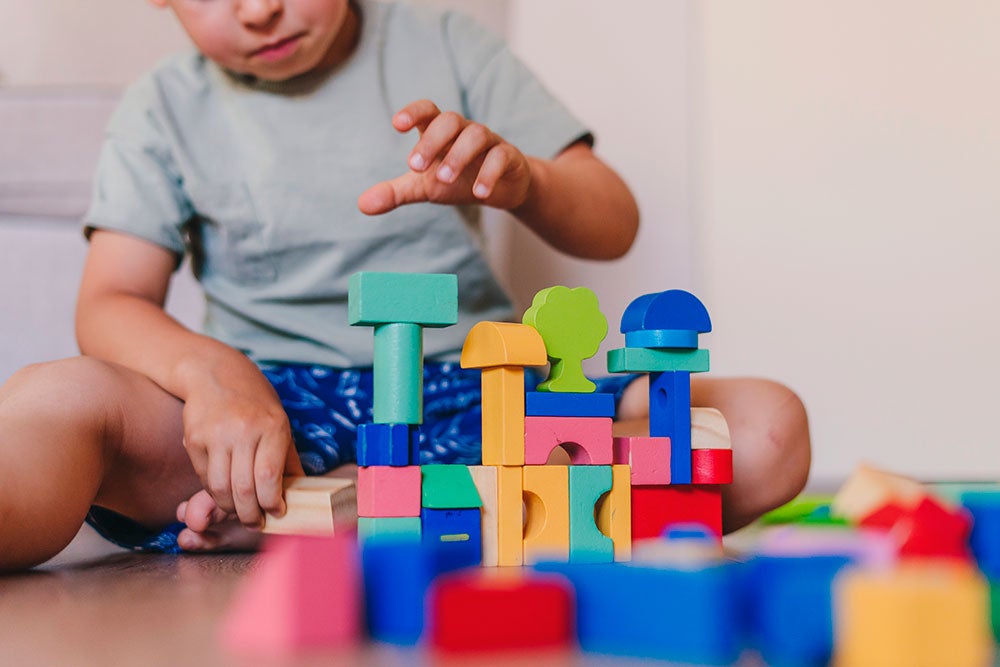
x,y
587,544
572,325
647,360
448,487
398,374
427,299
395,526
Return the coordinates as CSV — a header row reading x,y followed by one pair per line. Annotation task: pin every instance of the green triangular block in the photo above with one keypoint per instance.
x,y
448,487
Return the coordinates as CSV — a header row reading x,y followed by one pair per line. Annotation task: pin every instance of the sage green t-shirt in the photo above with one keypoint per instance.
x,y
259,181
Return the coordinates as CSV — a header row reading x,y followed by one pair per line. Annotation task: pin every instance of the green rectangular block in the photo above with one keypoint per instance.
x,y
427,299
395,526
587,544
448,487
647,360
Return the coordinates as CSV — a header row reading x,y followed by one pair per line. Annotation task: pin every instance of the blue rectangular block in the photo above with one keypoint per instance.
x,y
670,416
985,538
562,404
388,444
457,533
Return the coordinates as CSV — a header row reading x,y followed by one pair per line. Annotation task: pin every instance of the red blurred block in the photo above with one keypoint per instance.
x,y
488,610
711,466
927,530
305,593
655,508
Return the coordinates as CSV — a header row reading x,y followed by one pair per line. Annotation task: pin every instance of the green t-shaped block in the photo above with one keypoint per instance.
x,y
427,299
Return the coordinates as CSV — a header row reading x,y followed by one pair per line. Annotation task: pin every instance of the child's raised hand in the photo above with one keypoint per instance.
x,y
455,161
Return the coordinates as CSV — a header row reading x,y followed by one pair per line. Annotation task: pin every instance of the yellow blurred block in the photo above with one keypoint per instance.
x,y
510,516
922,614
485,479
546,502
503,416
614,512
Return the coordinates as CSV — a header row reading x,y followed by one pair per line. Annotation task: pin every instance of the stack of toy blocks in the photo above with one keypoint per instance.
x,y
673,480
398,306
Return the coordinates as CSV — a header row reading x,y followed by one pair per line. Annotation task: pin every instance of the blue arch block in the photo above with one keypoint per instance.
x,y
673,309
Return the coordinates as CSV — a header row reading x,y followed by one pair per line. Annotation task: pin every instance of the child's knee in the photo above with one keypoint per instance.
x,y
63,387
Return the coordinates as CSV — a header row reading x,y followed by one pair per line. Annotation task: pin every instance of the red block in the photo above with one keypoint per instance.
x,y
655,508
711,466
927,530
485,610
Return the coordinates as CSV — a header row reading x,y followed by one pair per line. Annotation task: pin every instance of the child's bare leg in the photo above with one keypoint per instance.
x,y
770,434
79,432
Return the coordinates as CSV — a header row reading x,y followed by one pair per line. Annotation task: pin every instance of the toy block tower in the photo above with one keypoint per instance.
x,y
398,306
661,338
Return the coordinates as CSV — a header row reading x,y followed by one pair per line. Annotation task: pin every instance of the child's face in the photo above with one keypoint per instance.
x,y
269,39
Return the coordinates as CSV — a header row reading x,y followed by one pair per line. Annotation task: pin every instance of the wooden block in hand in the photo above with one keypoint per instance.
x,y
316,506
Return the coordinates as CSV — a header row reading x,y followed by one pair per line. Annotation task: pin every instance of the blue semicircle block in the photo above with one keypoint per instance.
x,y
673,309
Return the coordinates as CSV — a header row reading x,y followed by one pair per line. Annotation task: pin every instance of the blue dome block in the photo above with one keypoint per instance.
x,y
673,309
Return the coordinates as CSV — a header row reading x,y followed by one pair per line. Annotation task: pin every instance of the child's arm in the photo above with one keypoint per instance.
x,y
235,430
575,202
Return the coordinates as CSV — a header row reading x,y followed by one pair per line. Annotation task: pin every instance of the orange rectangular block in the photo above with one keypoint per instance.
x,y
546,501
503,416
510,515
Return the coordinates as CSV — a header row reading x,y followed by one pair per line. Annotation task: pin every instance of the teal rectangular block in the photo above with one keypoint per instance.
x,y
427,299
398,374
448,486
403,527
648,360
587,544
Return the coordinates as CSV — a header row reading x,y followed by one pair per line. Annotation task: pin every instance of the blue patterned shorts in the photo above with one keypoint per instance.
x,y
324,407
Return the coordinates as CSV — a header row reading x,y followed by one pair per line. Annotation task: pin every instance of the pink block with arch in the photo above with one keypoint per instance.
x,y
587,440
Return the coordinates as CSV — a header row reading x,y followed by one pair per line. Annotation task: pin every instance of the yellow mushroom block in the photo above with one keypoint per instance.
x,y
614,512
546,503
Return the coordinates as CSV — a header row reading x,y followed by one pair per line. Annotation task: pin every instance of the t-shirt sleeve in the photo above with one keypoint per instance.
x,y
503,94
137,186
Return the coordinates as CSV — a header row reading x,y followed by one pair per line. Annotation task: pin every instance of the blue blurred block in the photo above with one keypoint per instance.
x,y
985,538
456,533
388,444
789,607
670,416
672,309
560,404
687,616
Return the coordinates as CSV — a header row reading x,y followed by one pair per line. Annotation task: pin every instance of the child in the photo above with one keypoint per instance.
x,y
251,156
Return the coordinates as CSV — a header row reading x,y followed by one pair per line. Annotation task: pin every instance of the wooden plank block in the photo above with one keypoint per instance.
x,y
709,429
485,479
315,506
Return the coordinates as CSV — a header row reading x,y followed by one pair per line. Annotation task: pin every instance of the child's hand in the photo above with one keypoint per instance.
x,y
456,161
239,441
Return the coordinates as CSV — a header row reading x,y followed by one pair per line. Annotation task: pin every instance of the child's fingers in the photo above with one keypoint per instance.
x,y
496,163
388,195
268,465
219,479
474,140
436,138
200,512
244,485
417,114
293,465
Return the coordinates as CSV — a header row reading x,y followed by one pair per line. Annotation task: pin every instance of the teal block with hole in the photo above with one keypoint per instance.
x,y
427,299
398,374
587,544
647,360
448,486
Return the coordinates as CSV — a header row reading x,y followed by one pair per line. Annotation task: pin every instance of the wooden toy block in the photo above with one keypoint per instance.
x,y
711,466
398,374
502,350
485,479
614,512
388,444
587,440
565,404
587,544
315,506
510,515
426,299
985,538
484,611
920,614
655,508
546,501
650,360
648,458
448,486
669,310
457,533
670,416
662,338
389,491
684,615
572,325
304,594
709,429
395,528
868,489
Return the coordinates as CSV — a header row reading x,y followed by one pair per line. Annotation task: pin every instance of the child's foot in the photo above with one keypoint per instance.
x,y
211,529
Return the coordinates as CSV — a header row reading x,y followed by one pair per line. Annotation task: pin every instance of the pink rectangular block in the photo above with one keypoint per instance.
x,y
389,491
587,440
648,458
